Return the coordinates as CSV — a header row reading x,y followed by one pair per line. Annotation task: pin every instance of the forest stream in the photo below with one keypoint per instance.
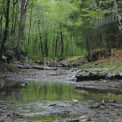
x,y
33,95
60,60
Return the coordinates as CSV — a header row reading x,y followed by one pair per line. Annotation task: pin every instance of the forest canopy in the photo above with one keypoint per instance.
x,y
57,28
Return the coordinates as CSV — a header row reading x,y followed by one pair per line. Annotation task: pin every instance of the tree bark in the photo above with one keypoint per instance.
x,y
40,36
14,22
46,44
56,45
6,31
1,19
62,41
72,44
31,12
23,16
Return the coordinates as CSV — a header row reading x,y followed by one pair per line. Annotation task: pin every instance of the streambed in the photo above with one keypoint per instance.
x,y
51,96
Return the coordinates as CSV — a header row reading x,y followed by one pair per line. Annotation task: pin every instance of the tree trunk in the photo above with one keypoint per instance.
x,y
14,22
87,42
72,44
40,36
23,16
56,45
31,12
62,41
46,44
46,35
1,19
6,31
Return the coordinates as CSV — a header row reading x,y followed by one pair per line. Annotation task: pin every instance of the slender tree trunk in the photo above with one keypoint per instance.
x,y
40,36
14,22
1,19
23,16
6,31
72,44
53,54
46,45
62,41
34,44
87,42
30,27
46,35
56,45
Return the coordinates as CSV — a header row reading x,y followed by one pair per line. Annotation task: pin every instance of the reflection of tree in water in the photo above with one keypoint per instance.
x,y
60,91
70,91
11,91
45,91
2,83
18,95
54,91
42,90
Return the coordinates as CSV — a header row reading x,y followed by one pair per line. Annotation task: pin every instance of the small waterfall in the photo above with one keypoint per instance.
x,y
95,4
45,62
72,76
115,5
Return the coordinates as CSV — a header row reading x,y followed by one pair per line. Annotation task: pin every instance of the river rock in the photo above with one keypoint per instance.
x,y
85,118
70,120
41,67
97,74
21,120
115,105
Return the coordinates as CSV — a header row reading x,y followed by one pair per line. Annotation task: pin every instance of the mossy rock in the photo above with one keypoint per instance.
x,y
97,54
8,67
73,60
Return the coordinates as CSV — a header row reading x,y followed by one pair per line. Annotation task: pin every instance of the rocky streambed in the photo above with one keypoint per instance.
x,y
81,105
71,111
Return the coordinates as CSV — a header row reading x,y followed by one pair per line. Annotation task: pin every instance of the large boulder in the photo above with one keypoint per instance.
x,y
97,54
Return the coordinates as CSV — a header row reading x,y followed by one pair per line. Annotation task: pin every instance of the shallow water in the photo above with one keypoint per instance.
x,y
36,96
53,91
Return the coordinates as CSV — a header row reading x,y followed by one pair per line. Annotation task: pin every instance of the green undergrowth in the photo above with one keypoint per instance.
x,y
37,59
73,60
41,60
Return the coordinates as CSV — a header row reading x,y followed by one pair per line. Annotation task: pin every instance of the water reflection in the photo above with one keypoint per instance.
x,y
49,91
52,91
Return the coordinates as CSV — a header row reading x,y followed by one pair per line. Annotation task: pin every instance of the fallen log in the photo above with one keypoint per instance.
x,y
115,105
43,67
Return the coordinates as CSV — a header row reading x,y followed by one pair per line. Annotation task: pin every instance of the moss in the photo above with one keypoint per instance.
x,y
37,59
8,67
73,60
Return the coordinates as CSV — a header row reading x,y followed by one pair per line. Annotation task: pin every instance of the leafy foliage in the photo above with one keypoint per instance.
x,y
54,28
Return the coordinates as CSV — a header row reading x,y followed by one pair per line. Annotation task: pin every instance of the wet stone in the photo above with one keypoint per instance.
x,y
71,120
20,120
